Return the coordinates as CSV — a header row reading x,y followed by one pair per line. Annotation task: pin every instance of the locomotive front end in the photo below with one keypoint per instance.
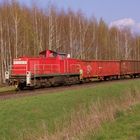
x,y
18,73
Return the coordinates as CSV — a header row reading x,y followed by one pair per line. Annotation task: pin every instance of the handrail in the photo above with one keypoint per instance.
x,y
46,68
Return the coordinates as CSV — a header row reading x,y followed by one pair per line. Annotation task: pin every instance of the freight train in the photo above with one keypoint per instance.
x,y
53,68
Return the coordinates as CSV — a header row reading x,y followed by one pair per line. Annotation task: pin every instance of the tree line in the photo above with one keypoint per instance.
x,y
29,30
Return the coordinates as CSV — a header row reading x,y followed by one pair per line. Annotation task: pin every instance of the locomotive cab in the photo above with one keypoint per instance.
x,y
53,54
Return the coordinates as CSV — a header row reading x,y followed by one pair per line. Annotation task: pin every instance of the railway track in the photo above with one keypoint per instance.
x,y
24,93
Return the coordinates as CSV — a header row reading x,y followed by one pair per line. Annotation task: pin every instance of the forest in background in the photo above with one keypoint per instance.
x,y
29,30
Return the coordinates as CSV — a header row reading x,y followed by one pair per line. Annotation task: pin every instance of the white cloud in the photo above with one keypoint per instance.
x,y
126,23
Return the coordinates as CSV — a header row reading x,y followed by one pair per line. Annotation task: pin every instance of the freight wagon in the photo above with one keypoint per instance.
x,y
130,68
52,68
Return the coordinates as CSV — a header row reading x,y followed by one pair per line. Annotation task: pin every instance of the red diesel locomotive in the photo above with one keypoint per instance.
x,y
53,68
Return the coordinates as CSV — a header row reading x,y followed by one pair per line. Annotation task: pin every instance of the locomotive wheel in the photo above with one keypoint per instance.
x,y
21,86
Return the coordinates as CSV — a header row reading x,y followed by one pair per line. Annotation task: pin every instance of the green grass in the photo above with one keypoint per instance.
x,y
8,88
19,117
126,127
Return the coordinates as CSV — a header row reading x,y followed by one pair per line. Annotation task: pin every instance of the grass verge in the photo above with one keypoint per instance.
x,y
126,127
9,88
31,117
83,121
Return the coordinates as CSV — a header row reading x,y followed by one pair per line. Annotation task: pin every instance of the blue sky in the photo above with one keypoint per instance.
x,y
114,12
109,10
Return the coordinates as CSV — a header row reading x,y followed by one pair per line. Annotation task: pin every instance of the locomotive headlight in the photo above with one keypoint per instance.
x,y
7,75
28,78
